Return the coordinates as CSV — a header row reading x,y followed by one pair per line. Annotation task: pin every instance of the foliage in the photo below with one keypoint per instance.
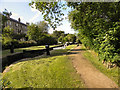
x,y
98,28
6,13
58,34
34,32
78,41
19,44
4,16
43,26
39,33
26,43
98,24
61,39
70,38
67,38
19,36
4,19
47,39
7,35
51,11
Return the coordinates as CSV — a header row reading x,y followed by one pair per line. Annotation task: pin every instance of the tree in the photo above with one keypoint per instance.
x,y
98,24
51,12
98,28
71,38
33,32
43,26
57,34
60,39
67,38
39,33
7,35
5,14
47,39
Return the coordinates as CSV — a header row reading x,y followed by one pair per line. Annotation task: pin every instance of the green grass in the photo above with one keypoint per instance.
x,y
7,52
111,73
55,71
70,46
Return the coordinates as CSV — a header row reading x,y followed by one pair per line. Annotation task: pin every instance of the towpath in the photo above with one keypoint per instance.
x,y
91,77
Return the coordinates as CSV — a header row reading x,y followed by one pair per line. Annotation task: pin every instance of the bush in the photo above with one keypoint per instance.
x,y
47,39
26,43
19,36
19,44
7,44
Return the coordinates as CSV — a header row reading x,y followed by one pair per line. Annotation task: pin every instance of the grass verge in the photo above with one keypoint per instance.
x,y
111,73
55,71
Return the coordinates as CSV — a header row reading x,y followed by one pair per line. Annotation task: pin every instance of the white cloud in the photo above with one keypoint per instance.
x,y
33,9
66,28
65,17
58,29
16,16
38,13
35,16
16,0
50,30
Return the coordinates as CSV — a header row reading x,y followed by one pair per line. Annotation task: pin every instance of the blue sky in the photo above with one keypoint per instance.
x,y
22,9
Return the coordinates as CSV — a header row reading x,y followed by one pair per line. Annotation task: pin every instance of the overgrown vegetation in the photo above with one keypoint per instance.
x,y
39,33
35,35
60,36
70,38
98,28
97,23
55,71
7,35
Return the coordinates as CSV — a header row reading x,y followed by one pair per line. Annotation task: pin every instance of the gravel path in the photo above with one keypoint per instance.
x,y
92,77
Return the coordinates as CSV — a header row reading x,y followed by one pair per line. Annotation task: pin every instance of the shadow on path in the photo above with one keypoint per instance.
x,y
66,52
79,50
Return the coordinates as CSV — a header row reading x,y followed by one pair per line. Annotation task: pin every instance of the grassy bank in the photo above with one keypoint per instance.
x,y
7,52
55,71
92,56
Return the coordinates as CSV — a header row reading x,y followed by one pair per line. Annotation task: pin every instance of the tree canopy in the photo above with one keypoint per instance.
x,y
7,35
39,33
98,24
70,38
5,14
51,11
57,34
35,31
43,26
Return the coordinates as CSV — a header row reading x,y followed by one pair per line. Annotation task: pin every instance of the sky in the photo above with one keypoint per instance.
x,y
21,9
